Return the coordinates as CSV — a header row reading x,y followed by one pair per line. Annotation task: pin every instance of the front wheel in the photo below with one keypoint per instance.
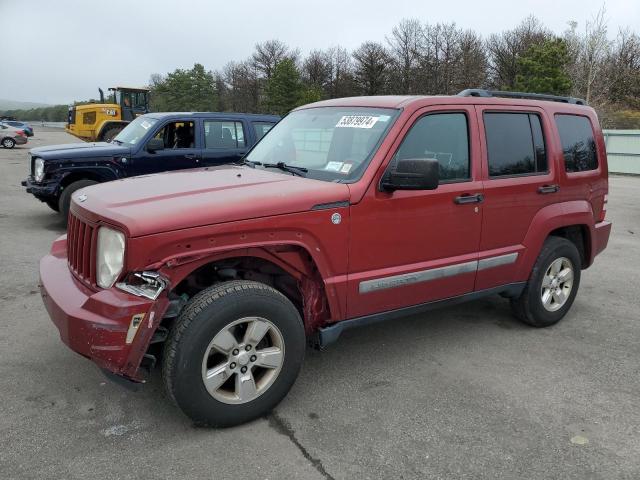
x,y
8,143
552,286
234,353
64,202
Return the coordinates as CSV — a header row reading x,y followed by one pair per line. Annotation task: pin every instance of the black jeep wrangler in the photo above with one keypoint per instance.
x,y
152,143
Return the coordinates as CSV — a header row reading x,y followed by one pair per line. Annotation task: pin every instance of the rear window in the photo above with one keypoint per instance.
x,y
578,144
515,144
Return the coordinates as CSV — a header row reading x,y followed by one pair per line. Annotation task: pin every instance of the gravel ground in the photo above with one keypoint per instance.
x,y
465,392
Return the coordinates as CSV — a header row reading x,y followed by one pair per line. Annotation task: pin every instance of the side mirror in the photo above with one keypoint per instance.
x,y
155,144
412,174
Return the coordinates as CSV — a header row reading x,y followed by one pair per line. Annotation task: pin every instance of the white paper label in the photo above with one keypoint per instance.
x,y
357,121
333,166
346,168
146,125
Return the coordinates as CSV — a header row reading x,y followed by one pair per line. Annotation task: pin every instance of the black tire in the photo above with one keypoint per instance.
x,y
8,142
53,205
64,202
205,316
110,133
529,307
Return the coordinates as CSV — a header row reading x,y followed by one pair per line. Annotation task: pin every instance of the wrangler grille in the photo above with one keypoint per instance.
x,y
81,249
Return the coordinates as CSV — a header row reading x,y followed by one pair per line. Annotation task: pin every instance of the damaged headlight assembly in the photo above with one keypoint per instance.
x,y
143,284
110,258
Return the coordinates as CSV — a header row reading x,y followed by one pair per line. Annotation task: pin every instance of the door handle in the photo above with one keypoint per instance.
x,y
190,156
548,189
469,198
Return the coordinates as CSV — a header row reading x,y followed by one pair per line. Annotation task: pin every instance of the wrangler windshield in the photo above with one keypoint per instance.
x,y
328,143
137,129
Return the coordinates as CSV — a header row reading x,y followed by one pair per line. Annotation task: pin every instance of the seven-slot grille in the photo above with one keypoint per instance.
x,y
80,249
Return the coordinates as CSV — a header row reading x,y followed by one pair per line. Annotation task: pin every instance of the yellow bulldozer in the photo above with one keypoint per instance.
x,y
100,122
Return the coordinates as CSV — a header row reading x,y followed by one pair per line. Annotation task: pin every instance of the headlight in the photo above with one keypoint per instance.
x,y
110,259
38,170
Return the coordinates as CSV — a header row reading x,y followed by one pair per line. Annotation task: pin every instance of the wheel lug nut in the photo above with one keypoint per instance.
x,y
233,365
243,369
235,351
247,348
253,358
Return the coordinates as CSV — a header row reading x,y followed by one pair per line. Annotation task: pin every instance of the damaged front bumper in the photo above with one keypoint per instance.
x,y
111,327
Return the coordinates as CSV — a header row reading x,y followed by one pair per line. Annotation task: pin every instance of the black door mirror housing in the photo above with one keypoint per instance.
x,y
155,144
412,174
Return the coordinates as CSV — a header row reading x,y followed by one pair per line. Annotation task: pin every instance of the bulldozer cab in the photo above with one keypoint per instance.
x,y
132,101
103,121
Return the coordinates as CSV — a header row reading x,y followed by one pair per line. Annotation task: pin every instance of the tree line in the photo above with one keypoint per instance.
x,y
419,58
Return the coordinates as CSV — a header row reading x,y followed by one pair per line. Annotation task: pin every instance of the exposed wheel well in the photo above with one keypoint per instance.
x,y
579,236
305,291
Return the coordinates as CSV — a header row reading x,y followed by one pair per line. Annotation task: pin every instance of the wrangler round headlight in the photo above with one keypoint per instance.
x,y
38,169
110,257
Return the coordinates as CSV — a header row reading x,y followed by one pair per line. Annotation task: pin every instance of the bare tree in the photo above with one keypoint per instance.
x,y
243,90
316,70
624,66
471,70
342,82
505,48
268,54
372,67
594,51
404,46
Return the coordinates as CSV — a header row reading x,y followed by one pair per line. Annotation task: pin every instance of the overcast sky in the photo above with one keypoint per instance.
x,y
55,51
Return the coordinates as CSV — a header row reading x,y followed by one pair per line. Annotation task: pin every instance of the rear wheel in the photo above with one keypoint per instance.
x,y
552,286
8,142
64,202
234,353
110,133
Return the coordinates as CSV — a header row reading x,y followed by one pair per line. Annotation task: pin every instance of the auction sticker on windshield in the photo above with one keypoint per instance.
x,y
357,121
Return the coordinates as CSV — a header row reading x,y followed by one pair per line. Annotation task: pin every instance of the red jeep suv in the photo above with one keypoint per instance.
x,y
347,212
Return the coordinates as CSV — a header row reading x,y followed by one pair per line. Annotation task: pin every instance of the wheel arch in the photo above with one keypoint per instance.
x,y
288,268
573,220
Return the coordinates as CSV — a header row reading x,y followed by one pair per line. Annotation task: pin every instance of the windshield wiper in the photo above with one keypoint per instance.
x,y
119,142
300,171
248,163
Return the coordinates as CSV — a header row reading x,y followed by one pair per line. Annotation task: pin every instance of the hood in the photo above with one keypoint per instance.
x,y
190,198
80,150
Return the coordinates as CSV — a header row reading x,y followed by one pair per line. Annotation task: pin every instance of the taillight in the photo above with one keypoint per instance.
x,y
21,133
603,212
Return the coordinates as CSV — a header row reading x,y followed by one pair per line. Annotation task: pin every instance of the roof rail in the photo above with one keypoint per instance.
x,y
480,92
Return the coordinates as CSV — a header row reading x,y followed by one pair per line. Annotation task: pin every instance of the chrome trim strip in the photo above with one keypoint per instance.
x,y
498,261
417,277
435,273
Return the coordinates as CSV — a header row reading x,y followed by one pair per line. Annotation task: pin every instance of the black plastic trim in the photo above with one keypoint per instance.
x,y
327,206
480,92
330,334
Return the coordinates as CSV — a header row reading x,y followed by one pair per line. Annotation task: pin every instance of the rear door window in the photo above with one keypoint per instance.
x,y
578,144
261,128
223,134
515,144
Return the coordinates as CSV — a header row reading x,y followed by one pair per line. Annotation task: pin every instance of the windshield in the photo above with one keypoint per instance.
x,y
332,143
137,129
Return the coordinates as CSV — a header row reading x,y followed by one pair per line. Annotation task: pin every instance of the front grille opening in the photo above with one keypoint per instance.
x,y
80,249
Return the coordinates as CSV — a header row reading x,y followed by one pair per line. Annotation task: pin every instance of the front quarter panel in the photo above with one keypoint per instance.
x,y
178,253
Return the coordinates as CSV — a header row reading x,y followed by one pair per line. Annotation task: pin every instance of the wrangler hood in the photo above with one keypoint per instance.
x,y
190,198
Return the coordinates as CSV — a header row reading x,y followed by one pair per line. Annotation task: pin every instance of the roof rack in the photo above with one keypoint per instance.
x,y
480,92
